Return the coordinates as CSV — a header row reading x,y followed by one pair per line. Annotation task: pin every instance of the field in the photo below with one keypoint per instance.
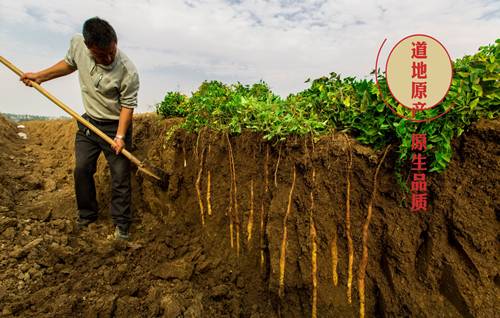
x,y
266,210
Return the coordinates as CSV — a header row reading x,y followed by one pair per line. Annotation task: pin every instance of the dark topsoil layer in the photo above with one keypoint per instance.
x,y
439,263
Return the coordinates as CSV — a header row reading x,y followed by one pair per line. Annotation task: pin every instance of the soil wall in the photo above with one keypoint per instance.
x,y
419,264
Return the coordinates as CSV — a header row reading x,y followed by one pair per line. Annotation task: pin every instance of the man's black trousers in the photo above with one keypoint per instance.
x,y
88,147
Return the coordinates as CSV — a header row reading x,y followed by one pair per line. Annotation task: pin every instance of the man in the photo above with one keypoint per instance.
x,y
109,83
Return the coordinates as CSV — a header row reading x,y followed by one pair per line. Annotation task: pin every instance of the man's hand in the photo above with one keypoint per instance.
x,y
61,68
118,145
29,78
126,115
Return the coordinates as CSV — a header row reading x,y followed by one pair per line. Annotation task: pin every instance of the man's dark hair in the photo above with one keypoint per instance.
x,y
98,32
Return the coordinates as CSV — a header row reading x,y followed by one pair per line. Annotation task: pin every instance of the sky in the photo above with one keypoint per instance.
x,y
176,45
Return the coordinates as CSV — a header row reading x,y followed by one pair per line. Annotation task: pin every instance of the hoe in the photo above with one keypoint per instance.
x,y
155,174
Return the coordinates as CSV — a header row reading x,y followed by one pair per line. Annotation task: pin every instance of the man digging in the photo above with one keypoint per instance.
x,y
109,83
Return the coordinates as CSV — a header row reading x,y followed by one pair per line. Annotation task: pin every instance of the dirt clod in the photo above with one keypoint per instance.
x,y
179,269
171,305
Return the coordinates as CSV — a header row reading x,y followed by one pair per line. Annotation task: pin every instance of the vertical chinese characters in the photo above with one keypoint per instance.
x,y
419,76
419,180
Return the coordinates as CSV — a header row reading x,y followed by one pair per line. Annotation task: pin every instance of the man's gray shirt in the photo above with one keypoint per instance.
x,y
105,88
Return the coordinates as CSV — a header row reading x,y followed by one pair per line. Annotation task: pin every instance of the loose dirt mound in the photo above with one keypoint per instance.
x,y
10,144
193,256
8,137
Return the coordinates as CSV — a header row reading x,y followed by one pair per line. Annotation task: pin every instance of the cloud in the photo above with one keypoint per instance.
x,y
177,44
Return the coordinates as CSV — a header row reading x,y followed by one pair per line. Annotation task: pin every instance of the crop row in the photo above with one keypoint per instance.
x,y
348,104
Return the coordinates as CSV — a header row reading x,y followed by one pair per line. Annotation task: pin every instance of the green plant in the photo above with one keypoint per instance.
x,y
173,105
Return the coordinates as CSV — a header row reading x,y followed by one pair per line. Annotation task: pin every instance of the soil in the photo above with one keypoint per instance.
x,y
184,263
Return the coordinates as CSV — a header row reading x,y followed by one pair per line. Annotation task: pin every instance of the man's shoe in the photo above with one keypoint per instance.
x,y
83,223
121,234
